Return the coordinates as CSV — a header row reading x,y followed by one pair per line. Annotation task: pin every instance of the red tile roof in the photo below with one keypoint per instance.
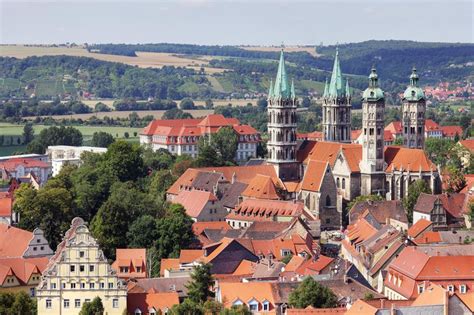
x,y
415,160
314,175
451,131
419,227
262,187
395,127
468,144
431,125
13,241
194,201
428,238
168,264
145,302
316,311
187,256
453,203
12,164
22,268
6,203
314,267
245,292
243,174
131,258
265,210
199,227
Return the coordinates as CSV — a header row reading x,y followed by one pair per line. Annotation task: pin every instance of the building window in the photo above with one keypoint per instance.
x,y
53,285
48,303
111,285
82,268
63,285
450,288
91,268
81,254
343,183
92,285
421,288
66,303
83,285
253,307
266,306
77,303
139,269
338,183
462,288
115,303
328,201
102,285
73,285
32,292
138,312
72,268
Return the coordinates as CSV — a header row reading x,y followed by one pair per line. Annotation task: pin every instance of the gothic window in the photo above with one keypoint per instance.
x,y
365,131
286,117
379,130
371,131
343,183
328,201
337,182
419,130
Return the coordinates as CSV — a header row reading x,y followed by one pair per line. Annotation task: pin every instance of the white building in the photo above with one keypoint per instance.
x,y
60,155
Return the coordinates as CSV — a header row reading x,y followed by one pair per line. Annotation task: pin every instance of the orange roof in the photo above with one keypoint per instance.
x,y
168,264
187,256
132,258
194,201
355,134
199,227
433,295
415,160
417,228
226,241
22,268
312,310
244,174
327,151
163,301
245,292
245,130
360,307
468,144
6,203
13,241
314,267
183,181
451,131
314,175
295,262
265,210
360,231
467,299
395,127
315,136
428,238
261,187
12,164
388,136
246,267
431,125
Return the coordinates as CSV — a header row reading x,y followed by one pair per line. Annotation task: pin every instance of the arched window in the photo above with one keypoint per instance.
x,y
337,182
328,201
138,312
343,183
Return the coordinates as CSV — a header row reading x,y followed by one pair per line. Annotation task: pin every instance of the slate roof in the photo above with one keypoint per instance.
x,y
380,210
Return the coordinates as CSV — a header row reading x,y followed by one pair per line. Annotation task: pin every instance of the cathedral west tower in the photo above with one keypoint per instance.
x,y
413,114
282,123
372,165
337,107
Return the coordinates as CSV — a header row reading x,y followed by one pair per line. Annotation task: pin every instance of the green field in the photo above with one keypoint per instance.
x,y
11,132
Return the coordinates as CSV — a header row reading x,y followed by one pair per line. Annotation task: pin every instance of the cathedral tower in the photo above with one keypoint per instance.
x,y
282,125
337,107
413,114
372,166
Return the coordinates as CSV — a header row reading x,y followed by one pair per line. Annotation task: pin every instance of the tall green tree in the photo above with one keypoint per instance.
x,y
124,161
28,133
13,303
102,139
454,180
414,191
142,232
225,142
95,307
311,293
174,232
208,155
55,136
201,282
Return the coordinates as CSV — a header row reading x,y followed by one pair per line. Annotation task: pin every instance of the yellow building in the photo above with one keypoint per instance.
x,y
77,273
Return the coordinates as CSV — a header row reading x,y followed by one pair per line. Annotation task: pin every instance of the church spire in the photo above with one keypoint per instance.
x,y
270,89
293,94
348,91
281,88
335,85
326,89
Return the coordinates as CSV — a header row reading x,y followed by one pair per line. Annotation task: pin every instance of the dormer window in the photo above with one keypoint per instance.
x,y
421,288
462,288
266,305
253,305
450,288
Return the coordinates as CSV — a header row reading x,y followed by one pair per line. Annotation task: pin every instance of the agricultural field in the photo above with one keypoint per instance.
x,y
143,59
124,114
12,132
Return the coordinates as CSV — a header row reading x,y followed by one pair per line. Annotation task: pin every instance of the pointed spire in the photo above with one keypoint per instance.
x,y
348,91
281,87
335,85
270,89
293,94
326,89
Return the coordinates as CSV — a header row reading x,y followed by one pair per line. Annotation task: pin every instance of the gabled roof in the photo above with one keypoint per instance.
x,y
148,301
431,125
360,231
395,127
451,131
262,187
415,160
265,210
194,201
6,204
243,174
328,152
314,175
199,227
380,210
468,144
168,264
13,241
419,227
453,203
467,299
187,256
132,258
314,267
12,164
260,291
22,268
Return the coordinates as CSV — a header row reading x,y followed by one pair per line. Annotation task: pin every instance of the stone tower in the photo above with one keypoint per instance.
x,y
413,114
372,165
337,107
282,125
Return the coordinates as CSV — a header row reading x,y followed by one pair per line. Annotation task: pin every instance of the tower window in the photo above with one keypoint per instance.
x,y
343,184
328,201
371,131
365,131
378,131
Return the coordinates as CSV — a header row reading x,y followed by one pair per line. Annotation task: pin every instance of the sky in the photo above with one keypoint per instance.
x,y
243,22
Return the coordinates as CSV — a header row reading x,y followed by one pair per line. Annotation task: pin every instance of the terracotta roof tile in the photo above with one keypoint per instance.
x,y
243,174
261,187
6,203
314,267
245,292
265,210
431,125
199,227
451,131
360,307
168,264
13,241
428,238
395,127
132,258
12,164
145,302
467,299
453,203
246,267
187,256
419,227
398,158
314,175
468,144
194,201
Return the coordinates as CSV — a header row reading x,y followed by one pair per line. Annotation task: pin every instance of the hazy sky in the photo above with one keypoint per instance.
x,y
234,22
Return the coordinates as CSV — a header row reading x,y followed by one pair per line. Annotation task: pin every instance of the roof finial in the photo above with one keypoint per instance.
x,y
293,94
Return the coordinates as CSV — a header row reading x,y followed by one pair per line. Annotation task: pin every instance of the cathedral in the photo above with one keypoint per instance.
x,y
356,169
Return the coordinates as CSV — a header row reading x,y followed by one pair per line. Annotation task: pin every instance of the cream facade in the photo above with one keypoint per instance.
x,y
77,273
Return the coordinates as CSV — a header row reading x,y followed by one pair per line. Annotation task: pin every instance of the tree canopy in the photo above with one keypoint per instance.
x,y
311,293
414,191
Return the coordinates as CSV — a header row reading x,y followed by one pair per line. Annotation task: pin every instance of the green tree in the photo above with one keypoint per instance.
x,y
124,161
188,307
201,282
102,139
311,293
160,182
398,141
187,103
454,180
17,303
94,307
142,232
287,259
176,113
157,160
208,155
55,136
174,232
439,150
28,133
225,142
414,191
